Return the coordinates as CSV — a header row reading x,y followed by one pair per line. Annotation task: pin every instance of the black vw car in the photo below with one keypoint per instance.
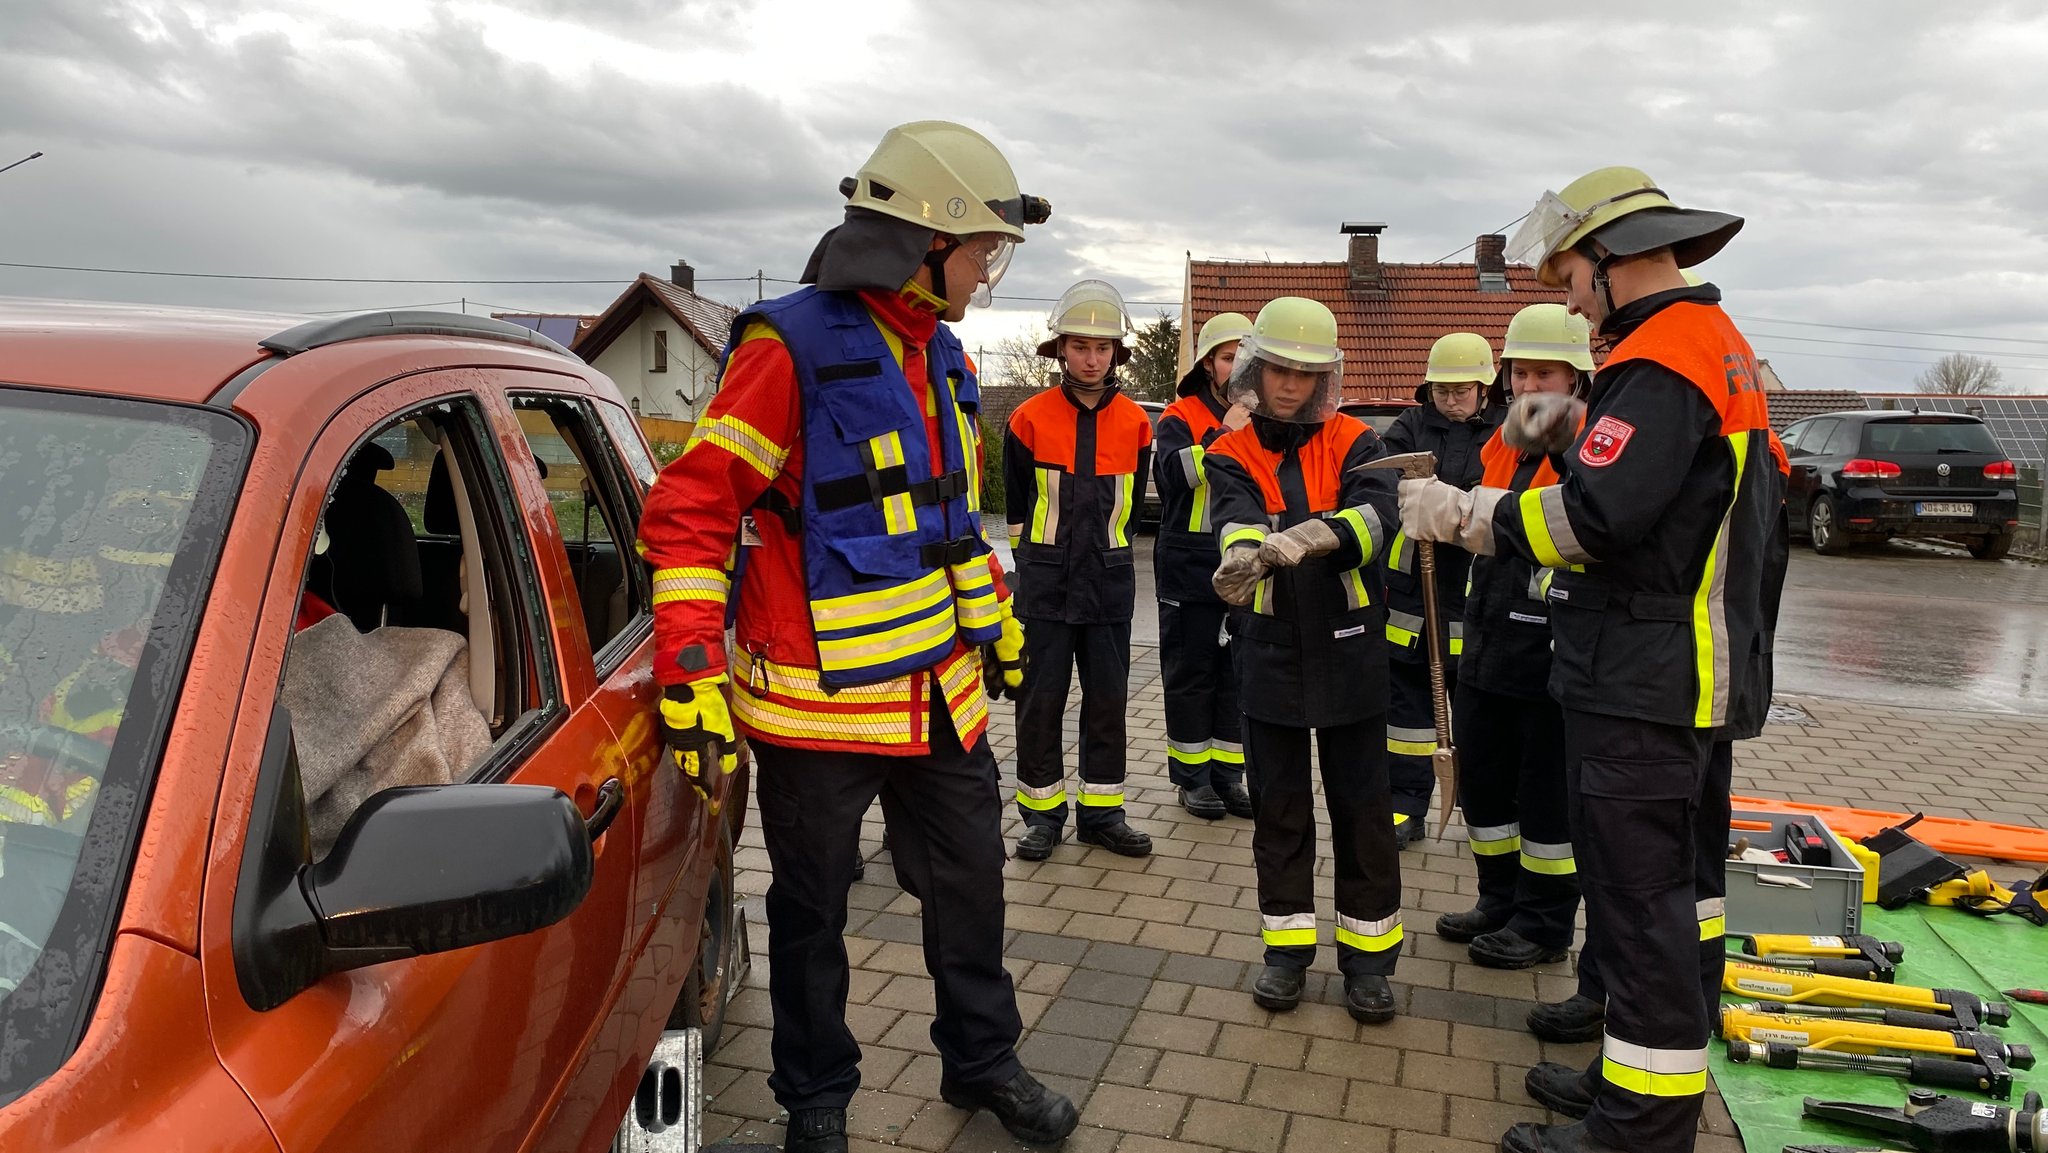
x,y
1871,476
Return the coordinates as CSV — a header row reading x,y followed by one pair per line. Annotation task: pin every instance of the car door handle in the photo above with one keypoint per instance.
x,y
611,797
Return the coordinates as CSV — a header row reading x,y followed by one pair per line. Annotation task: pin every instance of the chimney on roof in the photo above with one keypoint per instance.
x,y
1364,256
683,276
1489,253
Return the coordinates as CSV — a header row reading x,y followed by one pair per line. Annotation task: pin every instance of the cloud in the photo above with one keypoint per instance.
x,y
1884,153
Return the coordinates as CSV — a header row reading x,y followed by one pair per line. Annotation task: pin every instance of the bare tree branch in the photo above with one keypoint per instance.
x,y
1960,374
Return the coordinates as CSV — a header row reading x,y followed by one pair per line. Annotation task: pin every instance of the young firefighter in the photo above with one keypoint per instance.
x,y
1204,745
1075,462
1510,731
1660,532
1457,406
844,427
1301,525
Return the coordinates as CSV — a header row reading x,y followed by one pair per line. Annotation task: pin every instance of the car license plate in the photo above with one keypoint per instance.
x,y
1943,508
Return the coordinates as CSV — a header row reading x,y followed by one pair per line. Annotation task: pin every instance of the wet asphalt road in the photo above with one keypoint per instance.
x,y
1907,623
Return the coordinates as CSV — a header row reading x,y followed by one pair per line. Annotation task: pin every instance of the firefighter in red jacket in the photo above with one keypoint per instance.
x,y
1660,530
1204,741
1075,462
841,457
1302,524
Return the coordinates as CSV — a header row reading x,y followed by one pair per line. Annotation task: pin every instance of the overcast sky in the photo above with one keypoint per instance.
x,y
1891,157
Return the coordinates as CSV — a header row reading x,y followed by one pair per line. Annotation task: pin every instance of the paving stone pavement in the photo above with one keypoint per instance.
x,y
1133,975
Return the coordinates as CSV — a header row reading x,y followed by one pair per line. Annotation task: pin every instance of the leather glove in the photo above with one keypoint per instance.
x,y
1238,576
1312,537
1544,422
1002,661
1435,511
697,726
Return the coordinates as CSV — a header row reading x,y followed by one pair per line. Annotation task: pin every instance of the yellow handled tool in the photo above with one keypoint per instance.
x,y
1792,987
1844,1035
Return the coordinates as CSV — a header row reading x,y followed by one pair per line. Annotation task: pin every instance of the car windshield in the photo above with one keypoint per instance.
x,y
99,538
1900,437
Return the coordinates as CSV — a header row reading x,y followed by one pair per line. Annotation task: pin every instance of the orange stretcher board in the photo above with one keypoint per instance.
x,y
1945,834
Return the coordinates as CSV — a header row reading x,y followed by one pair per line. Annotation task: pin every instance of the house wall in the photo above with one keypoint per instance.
x,y
630,363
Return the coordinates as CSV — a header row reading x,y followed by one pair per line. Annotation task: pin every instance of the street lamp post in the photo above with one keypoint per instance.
x,y
22,161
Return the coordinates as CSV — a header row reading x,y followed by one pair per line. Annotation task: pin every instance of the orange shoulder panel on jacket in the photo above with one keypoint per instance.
x,y
1045,424
1194,414
1262,463
1122,431
1700,343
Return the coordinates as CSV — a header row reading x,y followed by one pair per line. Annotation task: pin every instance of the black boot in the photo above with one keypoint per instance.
x,y
1120,838
1278,988
1458,928
1560,1089
1507,949
1029,1110
1037,843
1409,831
1203,802
815,1131
1576,1018
1369,999
1528,1137
1236,800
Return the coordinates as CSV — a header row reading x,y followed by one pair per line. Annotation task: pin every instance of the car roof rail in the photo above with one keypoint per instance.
x,y
405,322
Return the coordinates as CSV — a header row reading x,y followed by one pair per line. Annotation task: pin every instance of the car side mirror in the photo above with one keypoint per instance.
x,y
414,871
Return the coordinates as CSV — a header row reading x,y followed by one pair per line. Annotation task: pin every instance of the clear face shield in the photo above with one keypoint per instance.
x,y
1299,385
1544,230
993,252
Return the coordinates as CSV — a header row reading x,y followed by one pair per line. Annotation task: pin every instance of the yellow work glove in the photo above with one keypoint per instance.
x,y
1312,537
1002,661
1544,422
1238,576
697,726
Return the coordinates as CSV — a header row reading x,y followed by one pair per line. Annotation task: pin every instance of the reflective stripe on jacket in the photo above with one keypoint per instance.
x,y
1074,478
1457,447
1184,555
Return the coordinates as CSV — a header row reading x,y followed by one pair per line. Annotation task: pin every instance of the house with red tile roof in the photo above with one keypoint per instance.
x,y
660,343
1388,314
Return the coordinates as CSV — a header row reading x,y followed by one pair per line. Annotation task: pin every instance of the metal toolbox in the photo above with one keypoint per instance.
x,y
1808,900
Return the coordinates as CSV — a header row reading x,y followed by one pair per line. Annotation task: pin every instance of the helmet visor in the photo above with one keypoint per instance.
x,y
1542,230
994,261
1279,386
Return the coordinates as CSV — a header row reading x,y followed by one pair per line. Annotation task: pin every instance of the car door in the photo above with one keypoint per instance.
x,y
1807,473
471,1049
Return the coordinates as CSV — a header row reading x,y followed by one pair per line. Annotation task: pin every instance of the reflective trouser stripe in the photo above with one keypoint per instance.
x,y
1188,752
1288,929
1405,742
1094,796
1713,915
1042,797
1550,860
1369,936
1226,752
1494,840
1654,1072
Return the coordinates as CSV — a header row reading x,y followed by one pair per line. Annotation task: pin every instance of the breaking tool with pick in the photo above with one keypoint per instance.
x,y
1444,763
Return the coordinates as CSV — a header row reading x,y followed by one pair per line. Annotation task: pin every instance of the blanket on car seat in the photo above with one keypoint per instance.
x,y
376,710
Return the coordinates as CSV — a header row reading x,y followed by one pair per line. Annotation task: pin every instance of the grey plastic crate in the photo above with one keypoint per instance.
x,y
1830,905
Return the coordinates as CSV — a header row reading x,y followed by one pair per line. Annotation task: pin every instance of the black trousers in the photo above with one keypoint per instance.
x,y
1411,736
1103,655
944,816
1512,787
1640,812
1354,767
1204,730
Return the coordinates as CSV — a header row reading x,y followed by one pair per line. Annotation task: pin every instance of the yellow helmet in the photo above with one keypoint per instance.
x,y
1460,356
1291,332
1625,211
1221,328
946,177
1089,308
1549,332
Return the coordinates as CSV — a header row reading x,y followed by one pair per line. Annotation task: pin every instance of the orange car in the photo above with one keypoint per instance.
x,y
333,815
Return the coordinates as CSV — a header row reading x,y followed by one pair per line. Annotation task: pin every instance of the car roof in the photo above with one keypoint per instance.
x,y
1867,414
185,355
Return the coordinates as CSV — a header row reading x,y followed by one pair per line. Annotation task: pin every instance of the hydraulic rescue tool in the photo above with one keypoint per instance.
x,y
1903,1018
1934,1123
1774,984
1422,465
1851,967
1950,1058
1880,958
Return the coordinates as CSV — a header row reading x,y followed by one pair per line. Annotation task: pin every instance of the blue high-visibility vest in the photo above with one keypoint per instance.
x,y
894,557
